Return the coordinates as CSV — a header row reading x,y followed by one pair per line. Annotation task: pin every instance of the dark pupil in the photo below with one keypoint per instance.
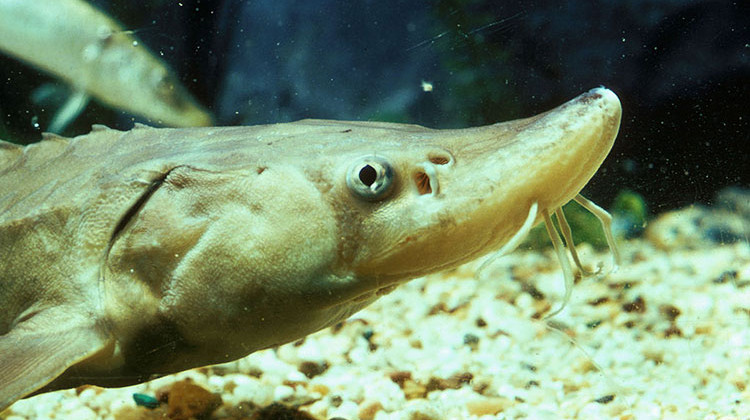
x,y
368,175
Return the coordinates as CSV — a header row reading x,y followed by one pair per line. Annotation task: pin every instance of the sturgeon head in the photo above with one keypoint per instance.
x,y
159,250
459,194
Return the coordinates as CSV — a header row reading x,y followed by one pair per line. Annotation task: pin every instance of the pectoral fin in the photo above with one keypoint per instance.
x,y
69,111
40,349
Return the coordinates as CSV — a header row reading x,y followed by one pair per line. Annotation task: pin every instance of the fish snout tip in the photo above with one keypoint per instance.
x,y
601,102
599,93
605,97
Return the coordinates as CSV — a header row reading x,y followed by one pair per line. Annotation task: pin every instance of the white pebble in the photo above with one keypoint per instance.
x,y
82,413
347,410
254,391
282,392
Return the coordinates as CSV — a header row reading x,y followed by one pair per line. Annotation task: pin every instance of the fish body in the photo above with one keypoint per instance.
x,y
128,255
76,42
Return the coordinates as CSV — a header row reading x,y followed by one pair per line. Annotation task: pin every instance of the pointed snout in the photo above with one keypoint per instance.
x,y
546,159
502,169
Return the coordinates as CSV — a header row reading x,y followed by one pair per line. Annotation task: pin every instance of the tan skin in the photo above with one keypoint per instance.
x,y
147,252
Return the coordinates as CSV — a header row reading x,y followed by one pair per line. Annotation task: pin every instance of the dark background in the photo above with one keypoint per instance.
x,y
681,69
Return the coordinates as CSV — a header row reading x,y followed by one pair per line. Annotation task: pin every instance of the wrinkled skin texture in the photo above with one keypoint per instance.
x,y
141,253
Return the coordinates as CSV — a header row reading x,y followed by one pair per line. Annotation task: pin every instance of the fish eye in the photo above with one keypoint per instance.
x,y
370,178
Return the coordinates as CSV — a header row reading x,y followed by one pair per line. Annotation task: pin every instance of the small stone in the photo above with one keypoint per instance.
x,y
336,400
187,400
605,399
599,301
312,369
83,413
370,410
726,276
82,388
673,330
278,411
399,377
471,340
670,312
488,406
638,305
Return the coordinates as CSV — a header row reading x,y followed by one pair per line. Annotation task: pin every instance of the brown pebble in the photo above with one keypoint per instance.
x,y
726,276
740,385
499,333
599,301
254,372
605,399
638,305
400,377
370,410
488,406
461,378
229,387
443,308
294,384
438,308
673,330
97,390
453,382
480,387
312,369
624,285
472,341
187,400
669,311
529,288
336,400
278,411
532,383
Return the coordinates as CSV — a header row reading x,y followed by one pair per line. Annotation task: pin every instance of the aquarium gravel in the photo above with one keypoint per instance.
x,y
667,336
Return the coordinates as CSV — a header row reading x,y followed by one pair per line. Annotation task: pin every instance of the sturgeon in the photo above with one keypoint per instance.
x,y
132,254
90,51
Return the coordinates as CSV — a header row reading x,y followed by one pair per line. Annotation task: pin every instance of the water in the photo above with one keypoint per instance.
x,y
663,337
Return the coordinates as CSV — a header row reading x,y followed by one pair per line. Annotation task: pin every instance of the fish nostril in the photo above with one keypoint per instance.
x,y
423,183
439,159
